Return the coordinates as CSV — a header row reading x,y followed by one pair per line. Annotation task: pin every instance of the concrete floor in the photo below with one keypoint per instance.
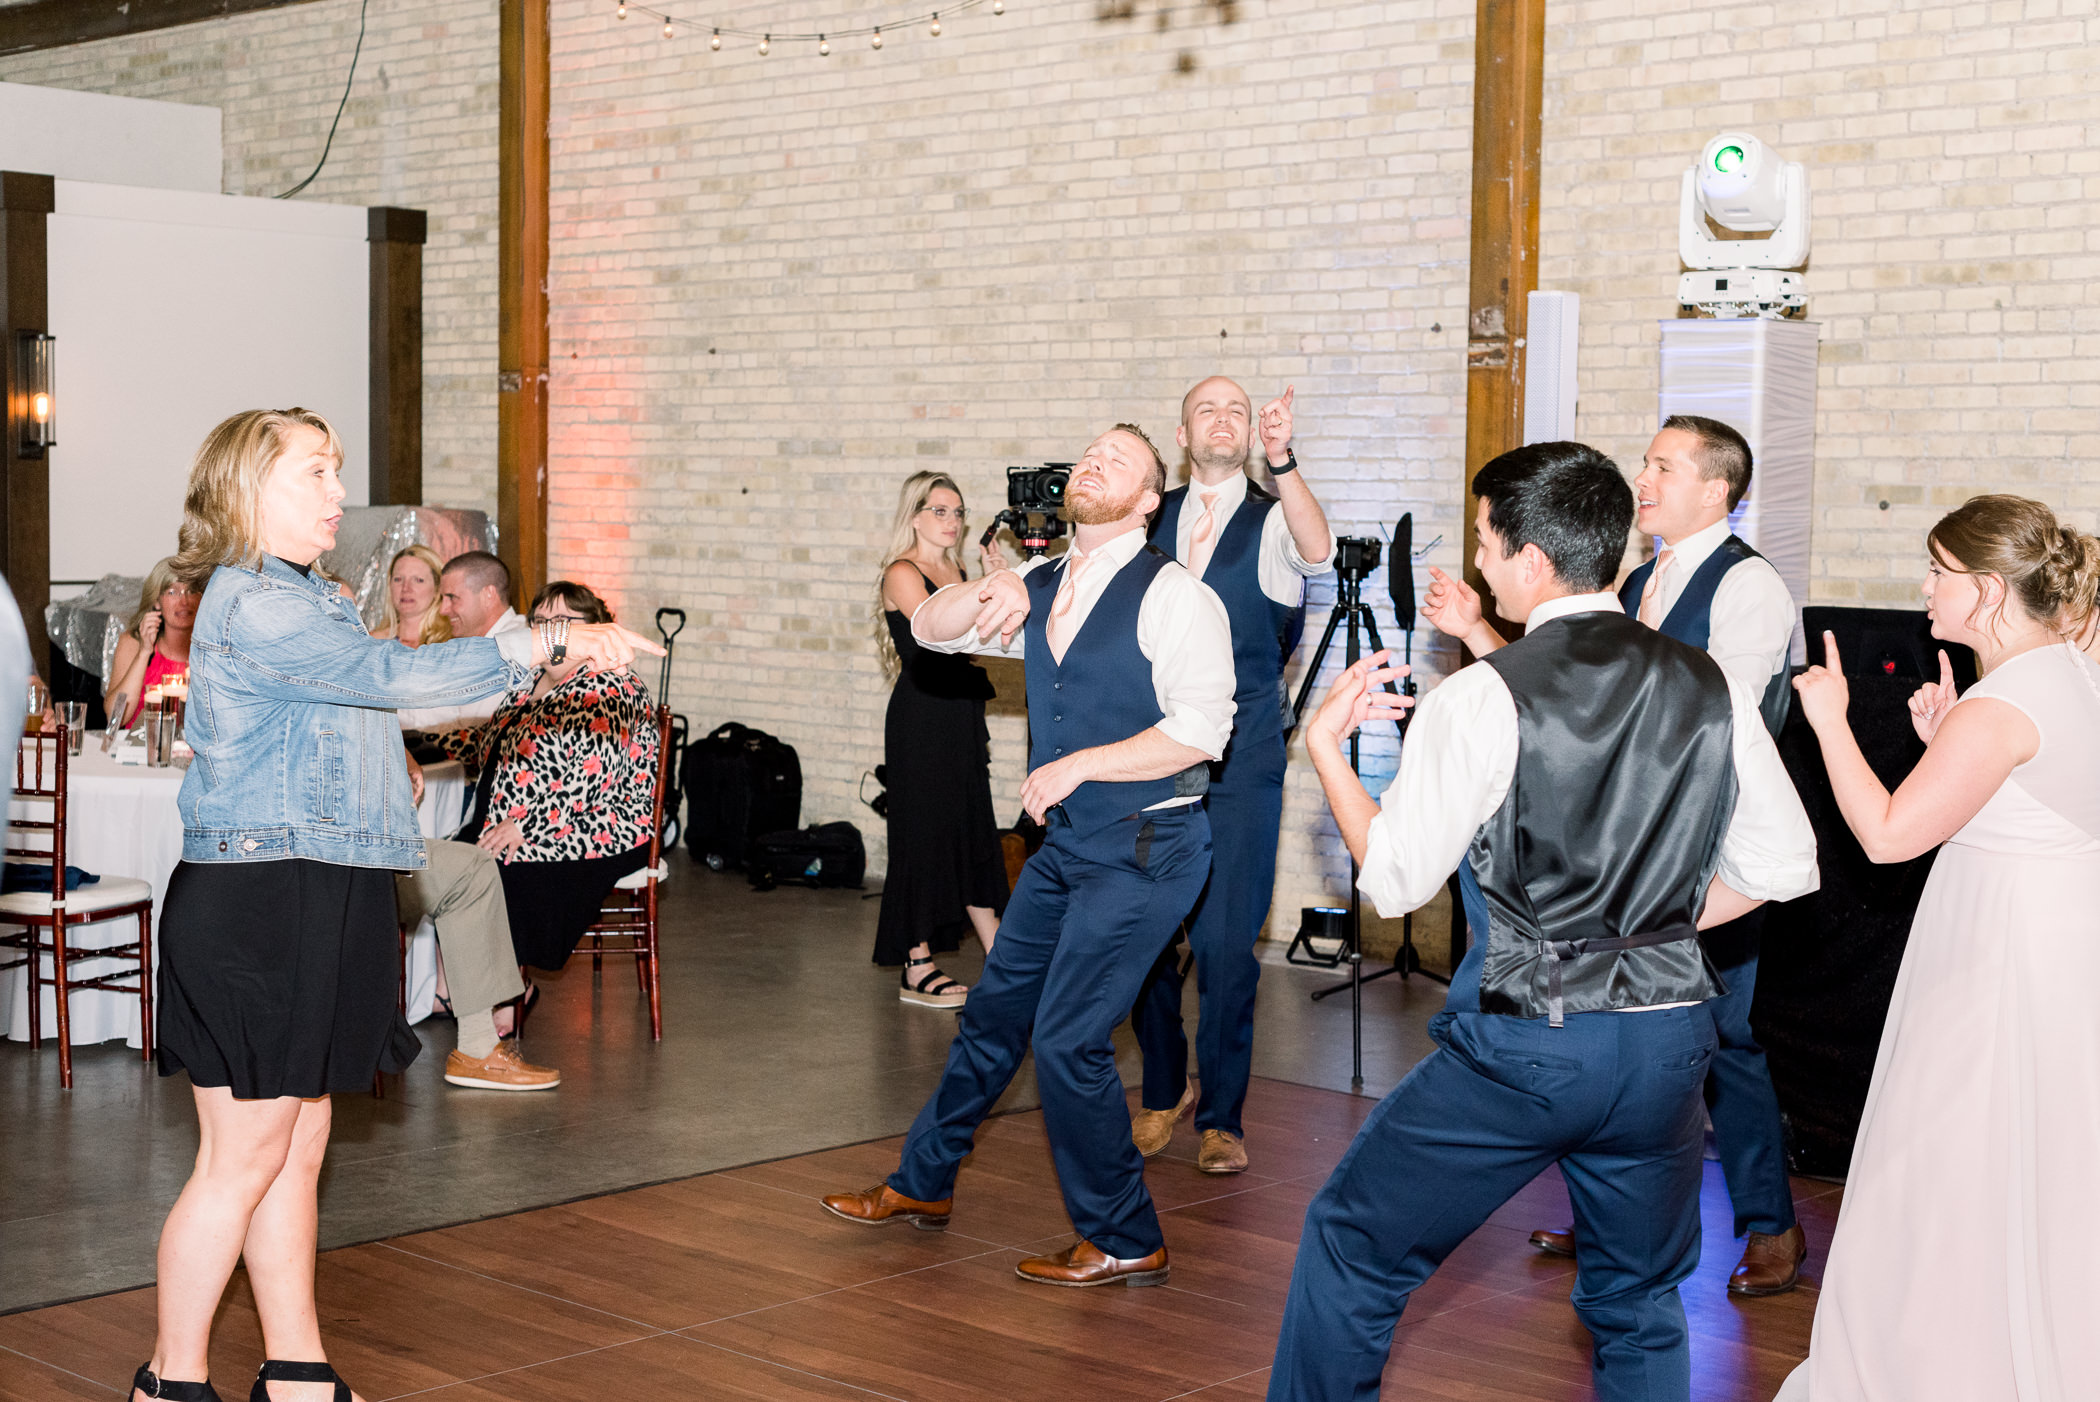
x,y
779,1038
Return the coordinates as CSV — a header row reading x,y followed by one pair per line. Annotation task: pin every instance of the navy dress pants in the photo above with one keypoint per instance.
x,y
1613,1098
1246,809
1079,934
1739,1095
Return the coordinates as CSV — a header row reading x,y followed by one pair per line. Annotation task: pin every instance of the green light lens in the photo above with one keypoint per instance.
x,y
1728,159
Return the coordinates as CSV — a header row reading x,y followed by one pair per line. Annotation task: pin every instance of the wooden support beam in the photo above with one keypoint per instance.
x,y
396,353
25,483
1509,60
521,351
53,24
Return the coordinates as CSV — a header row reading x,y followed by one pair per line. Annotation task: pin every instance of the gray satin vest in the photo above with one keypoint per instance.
x,y
1596,865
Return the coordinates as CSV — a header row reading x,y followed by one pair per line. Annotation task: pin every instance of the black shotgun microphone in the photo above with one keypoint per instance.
x,y
1400,572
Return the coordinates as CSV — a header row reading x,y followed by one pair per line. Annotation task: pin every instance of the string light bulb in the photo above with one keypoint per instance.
x,y
936,24
876,42
765,45
715,41
667,26
998,7
823,46
623,12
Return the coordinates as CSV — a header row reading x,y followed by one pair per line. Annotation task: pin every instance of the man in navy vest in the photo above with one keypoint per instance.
x,y
1708,589
1255,551
1130,682
1613,791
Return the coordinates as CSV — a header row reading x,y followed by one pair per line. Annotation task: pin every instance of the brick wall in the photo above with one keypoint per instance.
x,y
419,131
782,284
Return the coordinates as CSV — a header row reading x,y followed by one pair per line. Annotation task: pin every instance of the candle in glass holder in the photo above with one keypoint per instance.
x,y
177,686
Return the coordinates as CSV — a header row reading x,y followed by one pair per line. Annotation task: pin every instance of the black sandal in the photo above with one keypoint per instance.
x,y
278,1370
144,1381
935,990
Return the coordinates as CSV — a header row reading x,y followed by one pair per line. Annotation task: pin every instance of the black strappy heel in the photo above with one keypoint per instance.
x,y
144,1381
278,1370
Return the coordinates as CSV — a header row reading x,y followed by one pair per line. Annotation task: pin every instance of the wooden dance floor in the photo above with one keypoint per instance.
x,y
737,1285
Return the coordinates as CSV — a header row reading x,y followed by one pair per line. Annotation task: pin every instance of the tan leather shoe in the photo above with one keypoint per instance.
x,y
501,1069
1771,1265
1085,1264
1222,1151
1151,1130
1554,1243
881,1205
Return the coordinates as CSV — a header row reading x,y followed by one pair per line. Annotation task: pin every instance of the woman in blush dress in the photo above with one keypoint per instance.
x,y
1958,1273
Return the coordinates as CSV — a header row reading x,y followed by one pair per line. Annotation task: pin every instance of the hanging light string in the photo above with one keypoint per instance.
x,y
822,39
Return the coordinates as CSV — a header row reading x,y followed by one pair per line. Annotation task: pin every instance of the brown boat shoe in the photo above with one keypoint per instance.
x,y
1151,1130
1771,1265
1560,1243
1085,1264
881,1205
501,1069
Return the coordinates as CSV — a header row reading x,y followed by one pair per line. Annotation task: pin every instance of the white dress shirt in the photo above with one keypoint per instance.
x,y
1282,570
433,719
1181,629
1460,758
1751,624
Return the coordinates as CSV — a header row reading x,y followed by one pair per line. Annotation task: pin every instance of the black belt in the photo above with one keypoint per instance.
x,y
1559,951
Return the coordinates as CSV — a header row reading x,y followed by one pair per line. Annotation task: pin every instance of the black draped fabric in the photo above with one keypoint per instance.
x,y
281,978
943,837
552,903
1829,960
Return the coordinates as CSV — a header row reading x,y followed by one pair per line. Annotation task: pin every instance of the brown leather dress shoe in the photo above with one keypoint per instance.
x,y
1771,1265
881,1205
1222,1151
1150,1130
1085,1264
1554,1243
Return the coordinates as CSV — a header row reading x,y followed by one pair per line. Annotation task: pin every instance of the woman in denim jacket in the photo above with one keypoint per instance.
x,y
277,971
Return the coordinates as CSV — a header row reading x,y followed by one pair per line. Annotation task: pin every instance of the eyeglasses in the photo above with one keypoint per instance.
x,y
540,618
942,513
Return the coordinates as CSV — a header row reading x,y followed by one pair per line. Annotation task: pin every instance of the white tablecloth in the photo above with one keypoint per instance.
x,y
122,821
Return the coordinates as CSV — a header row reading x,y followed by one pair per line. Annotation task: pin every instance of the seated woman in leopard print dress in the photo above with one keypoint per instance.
x,y
566,791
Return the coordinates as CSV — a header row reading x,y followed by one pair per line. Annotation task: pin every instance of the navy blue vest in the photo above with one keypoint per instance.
x,y
1101,693
1690,620
1260,625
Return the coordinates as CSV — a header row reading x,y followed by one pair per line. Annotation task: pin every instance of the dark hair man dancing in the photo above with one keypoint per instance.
x,y
1130,687
1708,589
1615,791
1256,552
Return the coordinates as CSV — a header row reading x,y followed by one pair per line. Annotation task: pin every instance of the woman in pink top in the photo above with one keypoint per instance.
x,y
158,646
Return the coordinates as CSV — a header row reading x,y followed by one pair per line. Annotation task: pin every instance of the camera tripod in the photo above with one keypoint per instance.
x,y
1355,559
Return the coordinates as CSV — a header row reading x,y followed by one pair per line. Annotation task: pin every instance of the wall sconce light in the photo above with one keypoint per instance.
x,y
38,415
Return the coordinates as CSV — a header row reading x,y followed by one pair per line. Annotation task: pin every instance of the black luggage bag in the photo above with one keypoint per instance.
x,y
738,783
829,854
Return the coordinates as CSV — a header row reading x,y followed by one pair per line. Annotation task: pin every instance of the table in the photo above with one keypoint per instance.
x,y
122,820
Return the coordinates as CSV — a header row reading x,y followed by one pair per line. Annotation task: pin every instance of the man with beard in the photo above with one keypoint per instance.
x,y
1130,685
1255,551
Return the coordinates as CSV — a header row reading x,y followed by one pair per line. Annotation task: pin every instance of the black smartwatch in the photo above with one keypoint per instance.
x,y
1290,463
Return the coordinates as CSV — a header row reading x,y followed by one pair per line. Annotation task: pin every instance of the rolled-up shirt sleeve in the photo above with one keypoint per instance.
x,y
1769,851
967,640
1282,569
1456,766
1184,633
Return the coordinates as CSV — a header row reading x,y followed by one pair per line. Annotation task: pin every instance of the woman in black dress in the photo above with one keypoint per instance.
x,y
277,942
947,872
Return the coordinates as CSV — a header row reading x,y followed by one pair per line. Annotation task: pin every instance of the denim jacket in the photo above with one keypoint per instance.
x,y
291,715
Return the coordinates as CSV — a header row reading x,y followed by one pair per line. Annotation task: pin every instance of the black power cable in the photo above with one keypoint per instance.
x,y
347,83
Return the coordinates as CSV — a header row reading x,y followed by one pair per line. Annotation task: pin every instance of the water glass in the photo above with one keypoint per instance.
x,y
75,715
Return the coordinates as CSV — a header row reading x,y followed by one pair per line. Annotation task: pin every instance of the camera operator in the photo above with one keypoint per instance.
x,y
1255,551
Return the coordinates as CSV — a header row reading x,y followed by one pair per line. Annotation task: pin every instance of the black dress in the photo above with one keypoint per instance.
x,y
944,841
281,978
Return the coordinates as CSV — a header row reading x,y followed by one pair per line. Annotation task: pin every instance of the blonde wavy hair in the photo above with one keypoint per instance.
x,y
436,627
2051,570
904,541
159,580
219,524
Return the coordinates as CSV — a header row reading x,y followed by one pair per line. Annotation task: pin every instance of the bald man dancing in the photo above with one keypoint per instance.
x,y
1255,551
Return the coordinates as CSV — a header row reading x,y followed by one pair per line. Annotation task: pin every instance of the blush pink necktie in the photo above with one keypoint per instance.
x,y
1062,626
1204,538
1651,597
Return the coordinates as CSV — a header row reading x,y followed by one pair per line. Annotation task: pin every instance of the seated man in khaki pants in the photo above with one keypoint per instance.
x,y
462,895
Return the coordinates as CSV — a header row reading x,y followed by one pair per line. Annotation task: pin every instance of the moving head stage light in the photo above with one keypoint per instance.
x,y
1743,186
1035,499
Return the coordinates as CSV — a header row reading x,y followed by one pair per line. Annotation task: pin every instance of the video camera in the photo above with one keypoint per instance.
x,y
1035,497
